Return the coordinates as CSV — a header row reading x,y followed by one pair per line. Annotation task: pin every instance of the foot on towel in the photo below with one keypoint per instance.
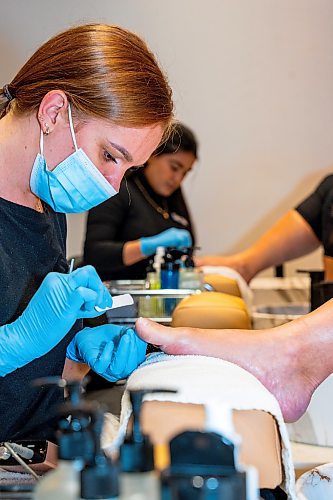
x,y
290,360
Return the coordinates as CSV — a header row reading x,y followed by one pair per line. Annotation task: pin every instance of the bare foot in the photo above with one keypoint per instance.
x,y
282,358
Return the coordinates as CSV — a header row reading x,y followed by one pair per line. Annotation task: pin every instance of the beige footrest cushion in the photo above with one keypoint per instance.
x,y
212,310
209,389
223,284
162,420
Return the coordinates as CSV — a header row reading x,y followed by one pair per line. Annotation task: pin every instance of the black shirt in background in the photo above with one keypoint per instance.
x,y
128,216
317,210
31,245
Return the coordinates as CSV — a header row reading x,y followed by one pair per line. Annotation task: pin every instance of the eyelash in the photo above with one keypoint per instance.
x,y
108,157
134,169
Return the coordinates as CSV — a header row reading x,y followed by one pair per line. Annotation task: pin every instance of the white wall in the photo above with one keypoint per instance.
x,y
254,79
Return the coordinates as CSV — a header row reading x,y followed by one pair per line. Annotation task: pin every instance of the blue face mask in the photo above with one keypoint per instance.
x,y
75,185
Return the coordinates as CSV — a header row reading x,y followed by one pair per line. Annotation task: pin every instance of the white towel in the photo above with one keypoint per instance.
x,y
203,380
316,484
228,272
8,477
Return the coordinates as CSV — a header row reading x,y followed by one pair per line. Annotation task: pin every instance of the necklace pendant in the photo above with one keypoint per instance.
x,y
165,214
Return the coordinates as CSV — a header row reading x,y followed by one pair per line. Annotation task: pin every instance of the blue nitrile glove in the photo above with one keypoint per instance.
x,y
112,351
58,303
169,238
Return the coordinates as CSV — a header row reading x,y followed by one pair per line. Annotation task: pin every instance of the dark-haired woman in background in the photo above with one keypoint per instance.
x,y
149,211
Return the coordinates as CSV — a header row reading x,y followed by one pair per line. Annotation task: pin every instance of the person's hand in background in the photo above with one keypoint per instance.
x,y
172,237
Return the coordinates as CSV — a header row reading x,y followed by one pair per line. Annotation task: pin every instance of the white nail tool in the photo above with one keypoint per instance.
x,y
117,301
71,266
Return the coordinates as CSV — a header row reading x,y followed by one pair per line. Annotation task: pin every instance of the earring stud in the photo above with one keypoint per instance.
x,y
47,129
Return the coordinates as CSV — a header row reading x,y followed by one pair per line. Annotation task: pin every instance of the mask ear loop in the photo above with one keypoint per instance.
x,y
70,119
41,142
71,126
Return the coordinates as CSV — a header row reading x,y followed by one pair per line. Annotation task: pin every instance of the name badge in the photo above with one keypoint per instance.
x,y
178,218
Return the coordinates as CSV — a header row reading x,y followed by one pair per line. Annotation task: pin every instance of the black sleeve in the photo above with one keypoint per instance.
x,y
102,248
311,208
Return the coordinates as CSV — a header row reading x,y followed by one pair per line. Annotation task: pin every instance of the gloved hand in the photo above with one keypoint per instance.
x,y
58,303
112,351
169,238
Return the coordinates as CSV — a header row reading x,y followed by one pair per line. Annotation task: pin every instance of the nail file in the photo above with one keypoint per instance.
x,y
117,301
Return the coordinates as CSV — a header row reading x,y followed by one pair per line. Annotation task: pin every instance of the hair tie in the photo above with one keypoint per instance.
x,y
6,92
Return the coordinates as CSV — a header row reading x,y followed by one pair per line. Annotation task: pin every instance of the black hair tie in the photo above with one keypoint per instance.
x,y
7,94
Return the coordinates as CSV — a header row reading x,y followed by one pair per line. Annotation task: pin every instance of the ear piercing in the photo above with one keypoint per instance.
x,y
46,130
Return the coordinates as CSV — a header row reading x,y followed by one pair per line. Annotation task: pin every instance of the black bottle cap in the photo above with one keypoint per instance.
x,y
100,481
137,457
137,452
150,268
170,266
189,262
75,438
71,447
170,259
196,452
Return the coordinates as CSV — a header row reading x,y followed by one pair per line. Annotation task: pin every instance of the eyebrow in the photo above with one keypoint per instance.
x,y
180,164
122,150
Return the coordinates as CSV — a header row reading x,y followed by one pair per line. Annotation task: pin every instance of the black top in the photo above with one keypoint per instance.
x,y
128,216
31,245
317,210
